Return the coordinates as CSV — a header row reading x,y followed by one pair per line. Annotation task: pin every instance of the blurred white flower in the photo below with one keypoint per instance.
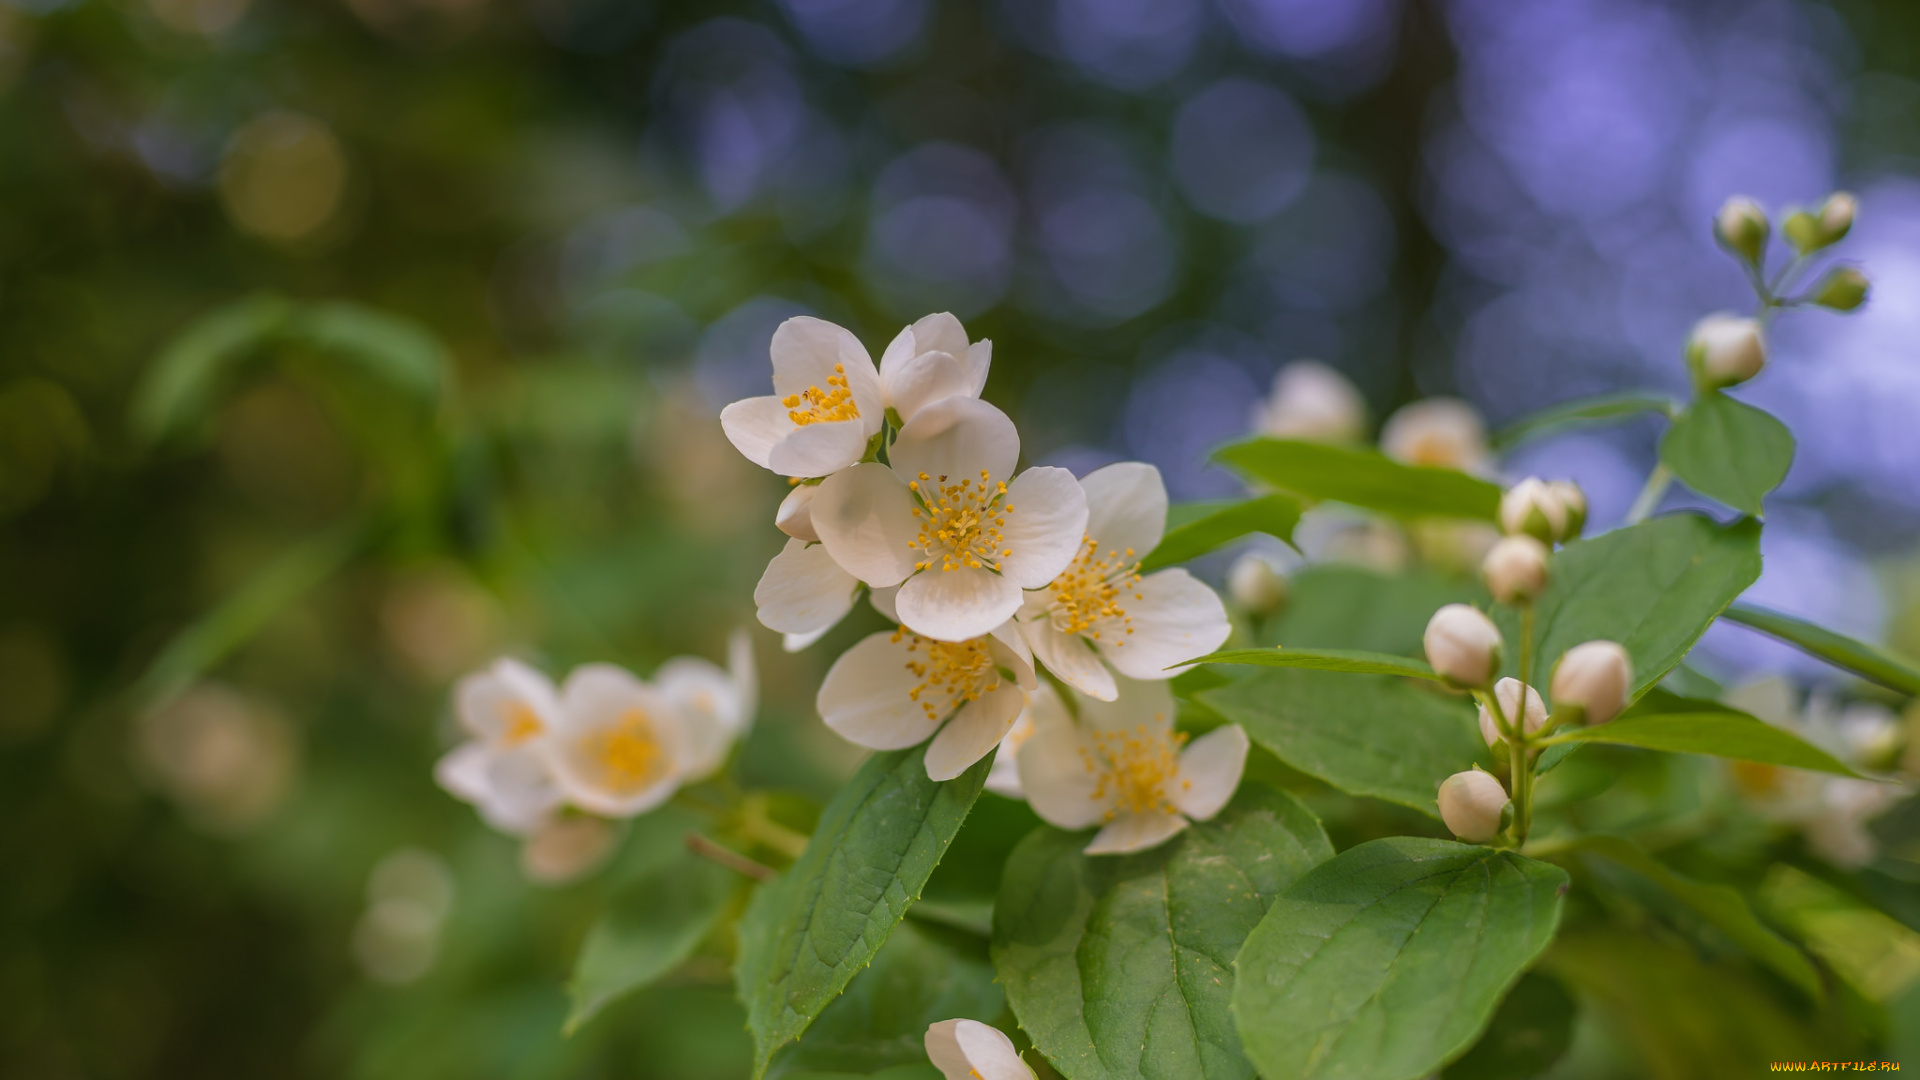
x,y
567,849
717,705
1550,513
929,361
1515,569
1122,766
228,759
1101,608
621,747
971,1050
509,710
1442,432
825,408
1256,584
1312,401
950,523
1004,778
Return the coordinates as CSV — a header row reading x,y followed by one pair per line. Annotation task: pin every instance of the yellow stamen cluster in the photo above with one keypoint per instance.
x,y
816,406
629,752
1134,768
1089,592
960,523
951,673
523,725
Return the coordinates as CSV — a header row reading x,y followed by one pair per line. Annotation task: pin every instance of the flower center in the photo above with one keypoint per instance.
x,y
951,673
960,523
523,725
1435,451
1090,590
1135,767
816,406
629,753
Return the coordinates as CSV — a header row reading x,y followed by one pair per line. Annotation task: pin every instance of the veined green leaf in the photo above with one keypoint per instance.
x,y
1721,734
1839,650
808,932
1365,735
1580,411
184,379
1531,1030
1121,966
1728,450
1347,660
648,928
1385,962
1205,527
1362,477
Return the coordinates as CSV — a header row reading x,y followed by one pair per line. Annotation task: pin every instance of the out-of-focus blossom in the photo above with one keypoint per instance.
x,y
1741,227
508,711
1443,433
1312,401
1004,777
409,894
1124,768
1455,545
620,747
1471,804
971,1050
438,622
567,848
1550,513
227,759
719,705
1256,584
1515,569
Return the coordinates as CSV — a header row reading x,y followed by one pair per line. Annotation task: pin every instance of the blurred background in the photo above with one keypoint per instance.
x,y
463,285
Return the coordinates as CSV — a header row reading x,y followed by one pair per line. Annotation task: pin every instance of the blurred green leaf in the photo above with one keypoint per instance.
x,y
1203,527
397,352
1345,660
1390,959
922,1071
1728,450
810,930
1721,734
1334,606
180,386
648,928
1531,1030
1862,659
1362,477
1581,411
1122,966
1365,735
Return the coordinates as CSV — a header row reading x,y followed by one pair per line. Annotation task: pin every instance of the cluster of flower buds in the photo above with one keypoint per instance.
x,y
1821,227
1535,515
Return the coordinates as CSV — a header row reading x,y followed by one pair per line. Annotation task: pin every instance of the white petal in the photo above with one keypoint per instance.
x,y
939,332
522,792
819,449
1013,653
1070,659
462,773
976,729
795,516
803,590
990,1053
794,643
900,350
1126,507
1136,832
755,426
979,359
493,705
1175,617
805,350
745,675
709,703
1146,705
882,601
865,697
1057,773
1046,515
922,380
943,1047
955,605
865,518
957,437
1210,769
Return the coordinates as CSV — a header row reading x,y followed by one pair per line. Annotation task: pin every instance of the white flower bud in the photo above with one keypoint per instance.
x,y
1255,584
1596,676
1836,217
1843,289
1741,226
1312,401
1516,569
1725,350
1507,693
1532,508
1463,645
1444,433
1573,502
1471,804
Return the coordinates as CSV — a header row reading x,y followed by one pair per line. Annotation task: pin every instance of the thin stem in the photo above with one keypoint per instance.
x,y
1657,482
728,858
1526,652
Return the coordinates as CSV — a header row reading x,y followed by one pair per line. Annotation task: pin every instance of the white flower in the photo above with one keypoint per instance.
x,y
930,361
1004,778
1507,692
1444,433
804,593
1312,401
511,711
1256,584
717,706
1463,645
1515,569
825,407
1726,349
971,1050
950,520
895,688
1101,608
1123,767
1596,676
1470,804
621,747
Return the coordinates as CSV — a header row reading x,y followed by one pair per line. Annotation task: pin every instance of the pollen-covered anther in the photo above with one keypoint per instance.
x,y
1134,768
1088,594
816,406
960,523
951,673
629,753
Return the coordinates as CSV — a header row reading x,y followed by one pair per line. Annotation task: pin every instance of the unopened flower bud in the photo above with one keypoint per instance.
x,y
1507,693
1444,433
1595,677
1725,350
1532,508
1741,226
1255,584
1836,217
1471,803
1843,289
1573,502
1463,645
1516,569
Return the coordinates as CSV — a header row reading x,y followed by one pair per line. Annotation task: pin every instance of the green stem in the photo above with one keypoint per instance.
x,y
1657,483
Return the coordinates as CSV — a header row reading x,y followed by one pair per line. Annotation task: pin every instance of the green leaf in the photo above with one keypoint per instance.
x,y
1728,450
1721,905
189,373
1349,661
808,932
921,976
1387,961
1531,1031
1207,527
1721,734
1362,477
1581,411
1365,735
1862,659
1332,606
395,351
648,928
1654,587
923,1071
1121,966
